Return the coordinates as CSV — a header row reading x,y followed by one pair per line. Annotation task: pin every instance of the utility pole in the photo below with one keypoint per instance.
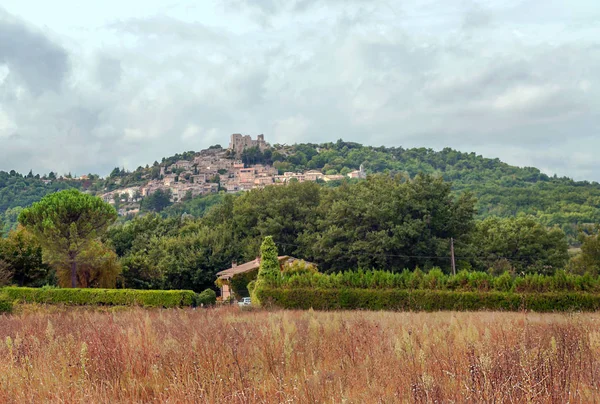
x,y
452,256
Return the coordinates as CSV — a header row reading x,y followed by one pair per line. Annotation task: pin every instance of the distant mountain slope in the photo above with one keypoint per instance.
x,y
501,189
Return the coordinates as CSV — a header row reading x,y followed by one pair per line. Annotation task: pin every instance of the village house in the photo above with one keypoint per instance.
x,y
335,177
230,187
360,173
169,179
313,175
199,178
263,181
233,176
183,164
288,176
250,269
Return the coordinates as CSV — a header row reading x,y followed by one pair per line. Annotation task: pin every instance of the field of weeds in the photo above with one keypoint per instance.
x,y
228,355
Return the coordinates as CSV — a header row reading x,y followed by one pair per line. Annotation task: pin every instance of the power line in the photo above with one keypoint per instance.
x,y
440,257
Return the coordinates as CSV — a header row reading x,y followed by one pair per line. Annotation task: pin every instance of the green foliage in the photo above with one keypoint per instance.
x,y
17,190
6,305
156,202
435,279
588,261
425,300
298,267
109,297
521,242
196,207
207,297
387,222
269,263
159,253
21,258
382,222
251,290
65,224
239,283
9,220
501,190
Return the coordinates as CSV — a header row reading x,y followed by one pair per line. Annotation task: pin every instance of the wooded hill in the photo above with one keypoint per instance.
x,y
501,189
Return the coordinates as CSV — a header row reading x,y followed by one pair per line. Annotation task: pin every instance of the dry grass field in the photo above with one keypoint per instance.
x,y
231,356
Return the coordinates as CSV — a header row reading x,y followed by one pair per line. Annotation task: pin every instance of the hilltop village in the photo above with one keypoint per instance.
x,y
213,170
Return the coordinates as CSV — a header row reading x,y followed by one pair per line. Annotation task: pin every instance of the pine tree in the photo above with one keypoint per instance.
x,y
269,264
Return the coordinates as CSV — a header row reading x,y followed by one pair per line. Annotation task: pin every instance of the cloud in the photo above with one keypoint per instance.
x,y
154,86
166,28
34,61
108,71
476,17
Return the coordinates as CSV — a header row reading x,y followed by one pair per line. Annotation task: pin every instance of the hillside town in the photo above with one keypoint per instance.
x,y
217,169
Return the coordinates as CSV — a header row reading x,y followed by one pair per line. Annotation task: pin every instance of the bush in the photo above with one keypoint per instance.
x,y
109,297
207,297
6,305
425,300
435,279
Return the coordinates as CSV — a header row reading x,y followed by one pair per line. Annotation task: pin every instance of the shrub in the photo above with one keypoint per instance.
x,y
425,300
6,305
299,267
435,279
109,297
207,297
504,282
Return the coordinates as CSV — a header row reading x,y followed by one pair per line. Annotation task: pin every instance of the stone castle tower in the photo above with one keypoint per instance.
x,y
239,143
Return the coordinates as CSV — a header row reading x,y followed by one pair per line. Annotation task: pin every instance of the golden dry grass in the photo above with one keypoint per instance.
x,y
232,356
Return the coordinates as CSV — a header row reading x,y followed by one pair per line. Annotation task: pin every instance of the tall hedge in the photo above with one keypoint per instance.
x,y
435,279
425,300
119,297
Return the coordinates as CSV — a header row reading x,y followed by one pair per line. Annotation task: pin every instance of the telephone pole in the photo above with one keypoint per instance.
x,y
452,256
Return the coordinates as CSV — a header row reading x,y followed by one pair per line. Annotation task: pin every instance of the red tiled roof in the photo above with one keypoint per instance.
x,y
246,267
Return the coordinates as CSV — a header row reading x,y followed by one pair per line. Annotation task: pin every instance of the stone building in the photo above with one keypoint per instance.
x,y
238,143
360,173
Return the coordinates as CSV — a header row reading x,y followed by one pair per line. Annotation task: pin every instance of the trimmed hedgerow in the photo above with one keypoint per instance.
x,y
425,300
6,305
109,297
435,279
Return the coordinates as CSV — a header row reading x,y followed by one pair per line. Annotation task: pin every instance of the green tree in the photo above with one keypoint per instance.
x,y
387,222
22,258
66,223
158,201
588,261
527,245
269,262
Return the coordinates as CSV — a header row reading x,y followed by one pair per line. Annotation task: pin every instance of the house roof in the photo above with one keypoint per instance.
x,y
246,267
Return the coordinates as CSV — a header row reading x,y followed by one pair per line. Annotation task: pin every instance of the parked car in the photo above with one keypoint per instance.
x,y
245,301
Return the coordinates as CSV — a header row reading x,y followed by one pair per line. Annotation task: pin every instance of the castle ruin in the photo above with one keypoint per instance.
x,y
239,143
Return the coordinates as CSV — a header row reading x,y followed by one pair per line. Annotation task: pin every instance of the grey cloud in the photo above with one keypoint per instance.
x,y
165,28
265,9
359,76
33,60
108,71
476,17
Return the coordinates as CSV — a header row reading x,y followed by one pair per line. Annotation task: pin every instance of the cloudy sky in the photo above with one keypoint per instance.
x,y
85,88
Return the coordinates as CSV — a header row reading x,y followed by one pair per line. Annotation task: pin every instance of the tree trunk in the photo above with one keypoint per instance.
x,y
73,273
